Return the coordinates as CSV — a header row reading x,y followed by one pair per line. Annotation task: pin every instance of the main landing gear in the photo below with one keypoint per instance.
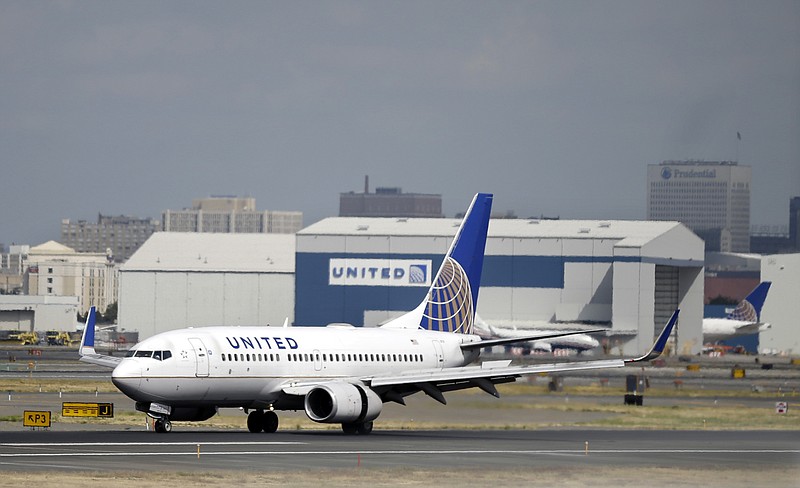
x,y
361,428
262,421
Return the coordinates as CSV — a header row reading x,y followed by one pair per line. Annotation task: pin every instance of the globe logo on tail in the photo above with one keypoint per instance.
x,y
745,312
449,306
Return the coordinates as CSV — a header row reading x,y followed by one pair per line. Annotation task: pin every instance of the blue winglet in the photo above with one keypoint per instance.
x,y
87,342
661,342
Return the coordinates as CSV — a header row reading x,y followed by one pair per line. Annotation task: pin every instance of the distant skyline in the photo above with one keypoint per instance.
x,y
556,107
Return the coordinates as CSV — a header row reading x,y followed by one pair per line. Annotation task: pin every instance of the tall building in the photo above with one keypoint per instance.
x,y
389,202
794,223
230,214
711,198
121,234
11,268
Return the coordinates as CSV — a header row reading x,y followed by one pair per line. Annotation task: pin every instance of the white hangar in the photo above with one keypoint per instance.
x,y
630,275
781,308
178,280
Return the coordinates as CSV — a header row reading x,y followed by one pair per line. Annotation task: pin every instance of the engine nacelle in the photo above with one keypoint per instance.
x,y
342,402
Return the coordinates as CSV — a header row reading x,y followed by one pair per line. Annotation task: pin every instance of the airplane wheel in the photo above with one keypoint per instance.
x,y
270,422
162,426
350,428
255,421
364,428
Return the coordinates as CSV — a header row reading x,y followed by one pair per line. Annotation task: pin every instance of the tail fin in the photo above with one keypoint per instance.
x,y
451,300
749,309
87,342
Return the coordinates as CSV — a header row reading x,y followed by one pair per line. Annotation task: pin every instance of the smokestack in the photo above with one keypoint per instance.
x,y
366,184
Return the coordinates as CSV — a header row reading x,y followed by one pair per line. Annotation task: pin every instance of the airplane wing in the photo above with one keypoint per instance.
x,y
512,340
435,382
87,352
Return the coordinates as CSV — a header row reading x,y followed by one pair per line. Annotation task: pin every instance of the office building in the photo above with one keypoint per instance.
x,y
711,198
55,270
120,235
389,202
231,215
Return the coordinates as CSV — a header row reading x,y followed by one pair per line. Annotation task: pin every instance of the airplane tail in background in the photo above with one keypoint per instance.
x,y
749,309
450,303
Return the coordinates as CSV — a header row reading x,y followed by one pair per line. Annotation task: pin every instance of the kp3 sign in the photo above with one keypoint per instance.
x,y
379,272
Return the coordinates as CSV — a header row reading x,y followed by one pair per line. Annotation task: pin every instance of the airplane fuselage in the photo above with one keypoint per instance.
x,y
720,329
249,366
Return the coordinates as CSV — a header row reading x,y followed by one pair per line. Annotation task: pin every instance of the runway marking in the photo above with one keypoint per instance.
x,y
151,444
401,452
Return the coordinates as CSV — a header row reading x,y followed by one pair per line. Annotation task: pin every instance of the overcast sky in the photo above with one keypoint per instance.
x,y
556,107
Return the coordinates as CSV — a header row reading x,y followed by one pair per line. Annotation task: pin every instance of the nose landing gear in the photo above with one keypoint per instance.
x,y
162,425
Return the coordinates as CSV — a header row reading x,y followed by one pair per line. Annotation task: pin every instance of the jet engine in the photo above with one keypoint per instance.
x,y
342,402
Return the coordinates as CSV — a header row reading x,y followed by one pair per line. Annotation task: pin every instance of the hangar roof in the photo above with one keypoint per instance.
x,y
634,233
195,251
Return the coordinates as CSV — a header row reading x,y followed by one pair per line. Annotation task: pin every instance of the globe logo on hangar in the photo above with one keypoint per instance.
x,y
418,273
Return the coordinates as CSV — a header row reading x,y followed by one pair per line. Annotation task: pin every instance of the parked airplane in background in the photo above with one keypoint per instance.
x,y
743,320
337,374
580,341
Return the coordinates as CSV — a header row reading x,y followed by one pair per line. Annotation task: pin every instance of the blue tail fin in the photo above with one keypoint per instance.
x,y
749,309
453,296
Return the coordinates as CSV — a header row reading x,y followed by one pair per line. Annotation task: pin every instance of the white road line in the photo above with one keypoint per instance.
x,y
404,452
151,444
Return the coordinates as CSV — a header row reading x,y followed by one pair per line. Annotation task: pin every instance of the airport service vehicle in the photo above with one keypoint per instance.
x,y
337,374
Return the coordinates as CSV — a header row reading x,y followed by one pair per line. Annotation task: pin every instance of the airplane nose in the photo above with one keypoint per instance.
x,y
127,377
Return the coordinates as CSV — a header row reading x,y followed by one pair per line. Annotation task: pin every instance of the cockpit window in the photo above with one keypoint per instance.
x,y
158,355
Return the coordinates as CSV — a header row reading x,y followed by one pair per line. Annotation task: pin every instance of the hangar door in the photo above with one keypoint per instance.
x,y
18,320
666,296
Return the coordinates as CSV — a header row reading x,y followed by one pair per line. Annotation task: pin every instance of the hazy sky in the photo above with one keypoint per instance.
x,y
124,107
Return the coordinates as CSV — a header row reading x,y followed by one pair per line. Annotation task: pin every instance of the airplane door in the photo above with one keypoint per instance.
x,y
437,346
201,356
317,360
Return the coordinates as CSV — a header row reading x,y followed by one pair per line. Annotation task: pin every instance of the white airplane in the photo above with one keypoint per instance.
x,y
743,320
580,341
337,374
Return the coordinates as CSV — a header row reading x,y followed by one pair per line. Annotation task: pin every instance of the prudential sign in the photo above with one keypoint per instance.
x,y
379,272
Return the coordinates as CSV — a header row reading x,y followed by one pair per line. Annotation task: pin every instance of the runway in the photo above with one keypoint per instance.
x,y
496,450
